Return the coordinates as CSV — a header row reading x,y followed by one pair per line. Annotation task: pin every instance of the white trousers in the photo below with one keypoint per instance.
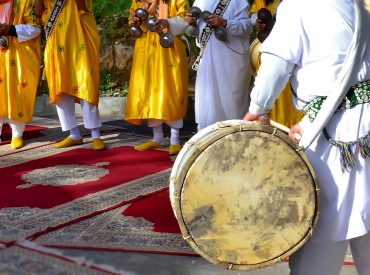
x,y
173,123
316,258
16,126
67,113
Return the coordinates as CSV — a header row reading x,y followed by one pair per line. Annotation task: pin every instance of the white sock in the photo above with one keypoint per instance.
x,y
17,128
75,133
175,136
158,135
95,133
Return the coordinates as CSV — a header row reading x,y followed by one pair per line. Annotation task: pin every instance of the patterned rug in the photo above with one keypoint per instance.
x,y
20,260
44,188
146,225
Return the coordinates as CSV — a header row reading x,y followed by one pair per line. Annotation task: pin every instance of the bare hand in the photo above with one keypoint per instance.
x,y
262,119
216,21
260,26
190,19
161,26
4,29
295,132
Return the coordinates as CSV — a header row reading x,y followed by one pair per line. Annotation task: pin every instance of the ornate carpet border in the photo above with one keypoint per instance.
x,y
111,231
29,222
20,260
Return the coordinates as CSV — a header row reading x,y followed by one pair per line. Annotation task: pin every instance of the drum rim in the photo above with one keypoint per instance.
x,y
195,149
255,43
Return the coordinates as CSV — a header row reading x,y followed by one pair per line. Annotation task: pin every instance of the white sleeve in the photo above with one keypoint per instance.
x,y
177,25
27,32
272,77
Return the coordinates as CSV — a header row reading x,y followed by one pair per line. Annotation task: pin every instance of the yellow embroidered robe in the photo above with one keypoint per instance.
x,y
283,111
72,53
20,67
158,87
259,4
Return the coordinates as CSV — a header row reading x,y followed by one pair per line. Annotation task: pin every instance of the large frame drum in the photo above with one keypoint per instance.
x,y
245,196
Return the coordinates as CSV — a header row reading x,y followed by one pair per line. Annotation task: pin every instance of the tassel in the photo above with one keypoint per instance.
x,y
363,146
347,156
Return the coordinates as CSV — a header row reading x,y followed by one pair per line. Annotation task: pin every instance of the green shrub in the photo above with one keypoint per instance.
x,y
104,8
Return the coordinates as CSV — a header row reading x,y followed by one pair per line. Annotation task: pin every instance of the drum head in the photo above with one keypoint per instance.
x,y
254,51
245,197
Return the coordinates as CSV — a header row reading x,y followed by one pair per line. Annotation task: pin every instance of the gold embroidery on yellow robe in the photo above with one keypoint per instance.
x,y
20,67
72,53
158,87
283,111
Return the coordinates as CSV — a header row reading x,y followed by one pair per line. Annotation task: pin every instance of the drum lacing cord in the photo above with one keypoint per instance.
x,y
230,267
311,227
275,132
187,237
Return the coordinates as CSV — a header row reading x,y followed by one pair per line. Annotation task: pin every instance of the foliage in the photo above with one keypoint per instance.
x,y
104,8
108,87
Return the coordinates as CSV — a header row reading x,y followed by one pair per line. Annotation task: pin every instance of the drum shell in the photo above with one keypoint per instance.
x,y
255,56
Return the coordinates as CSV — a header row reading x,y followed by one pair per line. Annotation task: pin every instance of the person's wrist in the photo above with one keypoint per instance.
x,y
225,23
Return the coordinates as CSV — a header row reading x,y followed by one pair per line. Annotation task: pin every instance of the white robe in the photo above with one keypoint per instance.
x,y
223,76
316,49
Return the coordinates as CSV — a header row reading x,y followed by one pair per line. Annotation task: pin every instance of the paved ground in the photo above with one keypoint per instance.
x,y
152,264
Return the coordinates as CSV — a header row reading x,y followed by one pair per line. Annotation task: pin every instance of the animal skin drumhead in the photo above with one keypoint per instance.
x,y
244,195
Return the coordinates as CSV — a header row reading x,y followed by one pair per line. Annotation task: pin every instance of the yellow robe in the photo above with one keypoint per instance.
x,y
20,68
259,4
158,87
283,111
72,53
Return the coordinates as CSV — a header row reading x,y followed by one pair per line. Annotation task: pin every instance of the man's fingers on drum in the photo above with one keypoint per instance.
x,y
293,137
295,132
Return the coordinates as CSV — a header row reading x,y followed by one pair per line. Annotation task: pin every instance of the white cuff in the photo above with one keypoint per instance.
x,y
256,109
27,32
177,25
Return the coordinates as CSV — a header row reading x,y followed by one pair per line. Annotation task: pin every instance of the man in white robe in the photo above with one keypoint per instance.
x,y
223,76
312,55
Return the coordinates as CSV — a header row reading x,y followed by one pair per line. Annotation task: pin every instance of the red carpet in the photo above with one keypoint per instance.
x,y
146,225
31,131
56,190
157,210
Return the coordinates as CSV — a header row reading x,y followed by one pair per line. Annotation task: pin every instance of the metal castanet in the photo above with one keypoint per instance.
x,y
221,33
150,24
134,30
142,14
167,40
245,196
196,12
